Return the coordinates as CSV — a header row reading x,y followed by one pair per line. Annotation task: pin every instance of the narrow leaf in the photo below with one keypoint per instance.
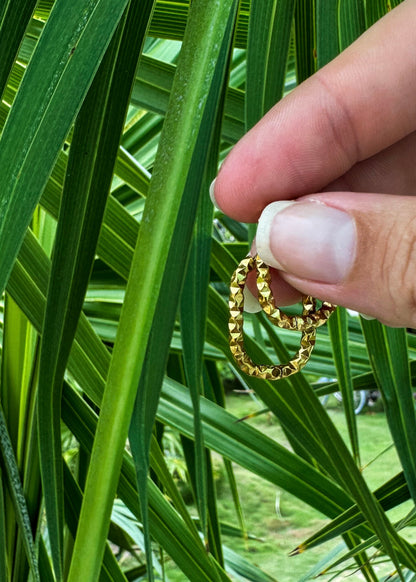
x,y
268,49
387,348
351,21
14,18
194,75
57,78
111,570
168,528
305,39
17,495
338,332
390,495
77,233
160,338
3,542
327,45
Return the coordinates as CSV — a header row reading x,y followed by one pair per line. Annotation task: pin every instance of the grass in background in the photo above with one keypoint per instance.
x,y
281,520
278,521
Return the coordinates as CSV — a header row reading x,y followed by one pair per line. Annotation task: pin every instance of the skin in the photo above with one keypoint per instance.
x,y
346,137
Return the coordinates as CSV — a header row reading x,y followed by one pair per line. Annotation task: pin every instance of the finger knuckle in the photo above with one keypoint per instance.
x,y
339,120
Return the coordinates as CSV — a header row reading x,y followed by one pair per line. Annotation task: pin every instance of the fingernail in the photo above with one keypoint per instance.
x,y
251,303
367,317
307,239
363,315
264,229
212,195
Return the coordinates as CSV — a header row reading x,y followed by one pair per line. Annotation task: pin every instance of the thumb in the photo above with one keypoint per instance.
x,y
352,249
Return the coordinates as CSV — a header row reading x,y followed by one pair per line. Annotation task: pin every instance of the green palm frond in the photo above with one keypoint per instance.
x,y
114,269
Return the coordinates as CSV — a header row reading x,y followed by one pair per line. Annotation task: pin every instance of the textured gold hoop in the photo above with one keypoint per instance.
x,y
306,323
275,315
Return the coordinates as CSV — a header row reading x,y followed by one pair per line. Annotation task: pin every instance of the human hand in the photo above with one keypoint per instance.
x,y
342,148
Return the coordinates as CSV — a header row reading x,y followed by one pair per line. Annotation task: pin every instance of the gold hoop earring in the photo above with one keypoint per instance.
x,y
306,323
275,315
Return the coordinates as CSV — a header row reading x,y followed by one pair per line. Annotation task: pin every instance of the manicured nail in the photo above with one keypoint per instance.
x,y
212,195
251,303
307,239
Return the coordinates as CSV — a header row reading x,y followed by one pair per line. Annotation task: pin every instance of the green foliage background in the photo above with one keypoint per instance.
x,y
114,118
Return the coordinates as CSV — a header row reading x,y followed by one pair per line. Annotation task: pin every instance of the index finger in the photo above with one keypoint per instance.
x,y
356,106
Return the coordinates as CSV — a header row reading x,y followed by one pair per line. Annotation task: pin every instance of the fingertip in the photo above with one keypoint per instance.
x,y
235,189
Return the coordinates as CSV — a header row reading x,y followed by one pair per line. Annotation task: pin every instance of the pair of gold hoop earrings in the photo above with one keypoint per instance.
x,y
307,323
